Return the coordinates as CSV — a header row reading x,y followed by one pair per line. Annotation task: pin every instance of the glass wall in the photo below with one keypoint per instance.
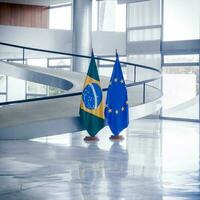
x,y
9,86
60,17
2,83
144,34
34,90
59,63
188,58
3,88
105,67
181,20
181,67
108,16
181,92
144,13
143,38
15,87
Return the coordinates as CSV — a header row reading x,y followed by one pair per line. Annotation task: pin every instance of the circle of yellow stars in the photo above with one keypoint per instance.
x,y
116,80
122,108
116,111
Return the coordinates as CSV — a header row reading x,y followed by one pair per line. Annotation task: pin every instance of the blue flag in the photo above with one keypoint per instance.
x,y
116,111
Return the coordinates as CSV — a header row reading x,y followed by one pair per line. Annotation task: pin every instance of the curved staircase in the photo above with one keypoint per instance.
x,y
52,115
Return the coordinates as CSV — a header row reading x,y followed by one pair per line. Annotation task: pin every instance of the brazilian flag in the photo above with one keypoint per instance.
x,y
92,105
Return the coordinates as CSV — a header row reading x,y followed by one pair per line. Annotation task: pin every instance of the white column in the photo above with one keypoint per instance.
x,y
82,33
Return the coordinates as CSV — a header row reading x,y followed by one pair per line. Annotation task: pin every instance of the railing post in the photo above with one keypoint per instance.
x,y
23,55
135,73
144,93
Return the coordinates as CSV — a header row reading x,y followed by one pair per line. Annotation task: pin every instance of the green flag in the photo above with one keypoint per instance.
x,y
92,105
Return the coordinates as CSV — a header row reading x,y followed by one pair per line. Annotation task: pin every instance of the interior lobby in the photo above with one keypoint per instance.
x,y
45,51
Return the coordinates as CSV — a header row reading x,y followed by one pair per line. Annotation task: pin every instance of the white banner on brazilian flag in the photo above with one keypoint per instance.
x,y
92,105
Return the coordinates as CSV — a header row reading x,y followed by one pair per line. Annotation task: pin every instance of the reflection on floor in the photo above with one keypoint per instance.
x,y
157,160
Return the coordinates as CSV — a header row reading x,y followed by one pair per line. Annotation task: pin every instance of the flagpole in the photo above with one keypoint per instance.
x,y
116,111
92,105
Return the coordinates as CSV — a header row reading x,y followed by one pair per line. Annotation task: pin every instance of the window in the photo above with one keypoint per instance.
x,y
108,16
106,67
181,20
55,91
14,84
37,62
193,58
143,14
60,63
2,97
94,15
181,92
14,93
60,17
2,83
144,34
34,90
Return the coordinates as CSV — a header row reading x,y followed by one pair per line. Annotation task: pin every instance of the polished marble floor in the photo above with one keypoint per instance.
x,y
157,160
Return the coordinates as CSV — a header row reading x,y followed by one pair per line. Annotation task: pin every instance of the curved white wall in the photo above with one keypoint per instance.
x,y
104,43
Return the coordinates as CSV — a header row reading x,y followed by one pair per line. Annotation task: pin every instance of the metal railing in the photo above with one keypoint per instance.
x,y
132,84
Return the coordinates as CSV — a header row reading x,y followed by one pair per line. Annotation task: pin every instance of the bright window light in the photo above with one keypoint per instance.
x,y
60,18
181,20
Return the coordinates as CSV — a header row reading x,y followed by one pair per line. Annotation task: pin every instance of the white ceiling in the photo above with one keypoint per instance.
x,y
57,2
36,2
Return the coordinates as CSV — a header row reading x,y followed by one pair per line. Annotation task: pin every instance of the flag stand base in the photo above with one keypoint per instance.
x,y
91,139
116,137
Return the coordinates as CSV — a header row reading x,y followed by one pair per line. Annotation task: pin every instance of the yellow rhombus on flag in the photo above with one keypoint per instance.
x,y
92,105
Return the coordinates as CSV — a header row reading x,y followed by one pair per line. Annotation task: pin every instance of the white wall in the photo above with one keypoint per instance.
x,y
58,40
104,43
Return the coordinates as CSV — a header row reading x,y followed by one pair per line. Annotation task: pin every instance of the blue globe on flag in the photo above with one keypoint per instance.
x,y
92,96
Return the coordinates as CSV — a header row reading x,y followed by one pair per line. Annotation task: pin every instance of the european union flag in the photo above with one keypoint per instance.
x,y
116,111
